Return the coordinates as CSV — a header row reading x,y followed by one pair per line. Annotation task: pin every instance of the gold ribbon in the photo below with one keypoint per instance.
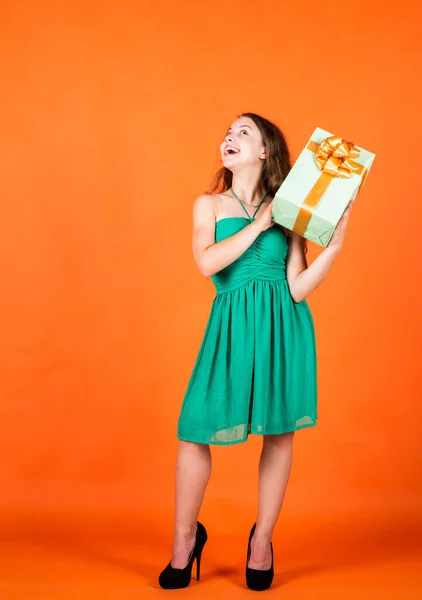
x,y
334,156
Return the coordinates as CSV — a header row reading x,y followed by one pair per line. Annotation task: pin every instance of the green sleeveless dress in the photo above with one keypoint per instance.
x,y
256,369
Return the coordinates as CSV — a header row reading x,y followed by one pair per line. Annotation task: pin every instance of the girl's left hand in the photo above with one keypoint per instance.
x,y
337,240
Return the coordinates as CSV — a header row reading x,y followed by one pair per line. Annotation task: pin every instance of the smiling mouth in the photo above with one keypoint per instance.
x,y
231,150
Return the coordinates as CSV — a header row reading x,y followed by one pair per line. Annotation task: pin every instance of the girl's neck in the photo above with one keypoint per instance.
x,y
248,186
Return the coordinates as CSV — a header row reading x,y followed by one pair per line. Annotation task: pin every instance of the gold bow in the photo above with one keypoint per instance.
x,y
335,158
335,155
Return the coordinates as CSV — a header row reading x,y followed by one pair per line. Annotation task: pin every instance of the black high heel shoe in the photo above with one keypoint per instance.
x,y
256,579
173,579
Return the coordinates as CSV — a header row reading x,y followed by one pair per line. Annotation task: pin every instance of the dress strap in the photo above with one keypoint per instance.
x,y
262,200
241,203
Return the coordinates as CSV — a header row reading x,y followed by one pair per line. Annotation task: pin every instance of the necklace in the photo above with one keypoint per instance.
x,y
247,203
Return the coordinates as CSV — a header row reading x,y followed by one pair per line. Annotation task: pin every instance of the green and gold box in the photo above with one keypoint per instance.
x,y
327,175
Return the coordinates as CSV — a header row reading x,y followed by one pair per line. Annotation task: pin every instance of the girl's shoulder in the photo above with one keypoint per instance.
x,y
207,202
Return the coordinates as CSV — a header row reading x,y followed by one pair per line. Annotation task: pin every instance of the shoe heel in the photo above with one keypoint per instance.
x,y
198,567
198,564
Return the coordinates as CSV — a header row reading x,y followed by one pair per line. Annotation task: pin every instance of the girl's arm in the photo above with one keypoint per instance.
x,y
303,280
212,256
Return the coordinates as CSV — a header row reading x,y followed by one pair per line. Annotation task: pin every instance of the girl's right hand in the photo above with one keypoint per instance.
x,y
265,218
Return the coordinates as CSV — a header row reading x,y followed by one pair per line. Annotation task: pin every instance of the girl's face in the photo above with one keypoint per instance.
x,y
242,145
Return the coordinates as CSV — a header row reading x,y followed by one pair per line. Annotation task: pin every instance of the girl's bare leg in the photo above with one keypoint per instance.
x,y
274,470
193,470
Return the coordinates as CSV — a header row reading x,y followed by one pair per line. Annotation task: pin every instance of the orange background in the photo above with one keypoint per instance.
x,y
111,119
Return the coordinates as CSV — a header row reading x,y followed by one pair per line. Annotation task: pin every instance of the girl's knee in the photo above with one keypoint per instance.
x,y
280,440
193,446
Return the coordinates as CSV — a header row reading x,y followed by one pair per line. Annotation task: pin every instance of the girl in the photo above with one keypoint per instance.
x,y
256,368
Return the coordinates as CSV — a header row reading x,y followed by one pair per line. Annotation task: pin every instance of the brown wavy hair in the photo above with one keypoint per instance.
x,y
275,167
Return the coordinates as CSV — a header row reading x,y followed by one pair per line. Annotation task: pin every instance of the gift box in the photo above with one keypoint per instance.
x,y
327,175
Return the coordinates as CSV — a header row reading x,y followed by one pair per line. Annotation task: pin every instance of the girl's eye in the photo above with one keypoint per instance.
x,y
244,131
